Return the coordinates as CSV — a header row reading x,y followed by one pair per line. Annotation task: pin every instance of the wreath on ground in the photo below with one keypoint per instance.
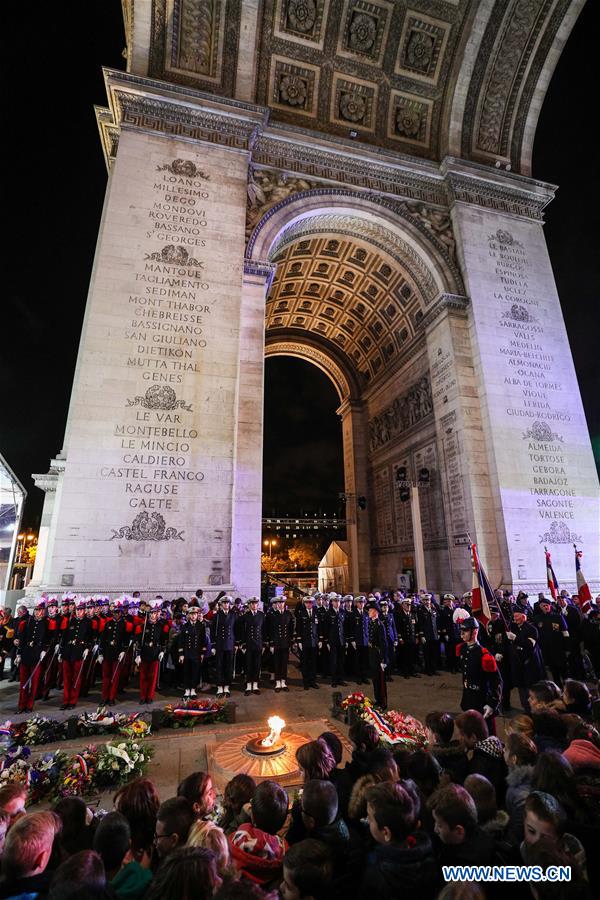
x,y
91,771
394,727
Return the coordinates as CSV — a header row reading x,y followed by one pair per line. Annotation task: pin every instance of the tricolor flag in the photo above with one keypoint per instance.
x,y
583,591
482,593
552,580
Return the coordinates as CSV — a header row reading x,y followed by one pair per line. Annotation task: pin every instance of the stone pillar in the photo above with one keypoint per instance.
x,y
355,437
47,483
147,499
468,497
248,478
539,454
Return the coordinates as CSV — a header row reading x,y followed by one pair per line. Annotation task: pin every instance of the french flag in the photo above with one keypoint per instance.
x,y
552,580
482,593
583,590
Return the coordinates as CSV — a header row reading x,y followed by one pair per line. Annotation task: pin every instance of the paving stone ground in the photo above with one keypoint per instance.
x,y
181,751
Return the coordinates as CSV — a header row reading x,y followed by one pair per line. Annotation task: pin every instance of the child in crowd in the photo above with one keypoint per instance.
x,y
256,847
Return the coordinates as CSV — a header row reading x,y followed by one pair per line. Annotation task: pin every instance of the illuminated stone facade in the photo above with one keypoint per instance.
x,y
347,182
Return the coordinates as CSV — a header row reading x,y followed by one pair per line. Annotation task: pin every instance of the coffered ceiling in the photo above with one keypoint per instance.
x,y
350,296
428,78
377,69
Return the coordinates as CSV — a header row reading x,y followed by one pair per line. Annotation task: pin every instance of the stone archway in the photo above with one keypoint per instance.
x,y
352,422
349,284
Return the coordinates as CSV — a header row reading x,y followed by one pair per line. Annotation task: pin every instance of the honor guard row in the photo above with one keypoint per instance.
x,y
71,643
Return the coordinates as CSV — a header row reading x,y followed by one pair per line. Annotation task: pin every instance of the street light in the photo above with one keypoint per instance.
x,y
270,544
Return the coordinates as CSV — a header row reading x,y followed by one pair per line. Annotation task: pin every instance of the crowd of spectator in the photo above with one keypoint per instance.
x,y
383,823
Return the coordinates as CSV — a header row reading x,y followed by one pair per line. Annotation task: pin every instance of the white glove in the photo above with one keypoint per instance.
x,y
213,651
160,655
423,641
383,666
85,653
95,648
510,635
42,655
100,659
59,658
243,649
487,711
498,657
181,660
353,644
320,644
272,649
121,656
138,660
299,646
17,660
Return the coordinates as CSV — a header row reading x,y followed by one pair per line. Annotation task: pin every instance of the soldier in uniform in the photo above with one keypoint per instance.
x,y
447,632
554,637
64,617
50,667
31,644
407,628
193,643
574,621
279,632
387,619
349,622
590,633
113,640
75,647
309,641
223,641
428,635
378,655
335,638
526,663
89,666
132,620
252,632
482,683
151,643
360,640
498,645
321,609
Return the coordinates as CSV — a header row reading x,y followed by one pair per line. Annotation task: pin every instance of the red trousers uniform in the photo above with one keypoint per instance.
x,y
88,674
50,674
125,670
110,682
27,694
71,684
148,679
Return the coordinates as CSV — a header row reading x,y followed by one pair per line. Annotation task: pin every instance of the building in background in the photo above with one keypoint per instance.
x,y
12,498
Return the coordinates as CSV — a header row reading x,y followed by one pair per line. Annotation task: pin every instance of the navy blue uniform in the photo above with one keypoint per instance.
x,y
334,633
308,636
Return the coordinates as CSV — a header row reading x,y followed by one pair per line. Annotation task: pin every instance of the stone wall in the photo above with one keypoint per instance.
x,y
402,435
538,452
146,497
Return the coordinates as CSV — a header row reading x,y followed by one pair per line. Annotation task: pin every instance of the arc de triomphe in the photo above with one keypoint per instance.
x,y
348,182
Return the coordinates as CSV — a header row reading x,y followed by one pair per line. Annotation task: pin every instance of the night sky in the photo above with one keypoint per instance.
x,y
53,185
